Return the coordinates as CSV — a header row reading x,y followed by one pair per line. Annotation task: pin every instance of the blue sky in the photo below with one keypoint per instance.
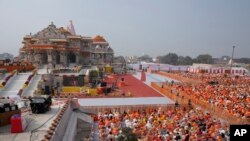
x,y
136,27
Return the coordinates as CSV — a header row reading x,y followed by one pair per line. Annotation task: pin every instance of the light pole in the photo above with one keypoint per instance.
x,y
232,61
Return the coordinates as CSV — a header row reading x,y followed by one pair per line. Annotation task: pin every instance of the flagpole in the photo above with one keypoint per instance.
x,y
232,60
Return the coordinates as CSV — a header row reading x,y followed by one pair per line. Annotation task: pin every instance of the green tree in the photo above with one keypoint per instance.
x,y
170,58
188,60
181,60
205,59
185,60
243,60
146,58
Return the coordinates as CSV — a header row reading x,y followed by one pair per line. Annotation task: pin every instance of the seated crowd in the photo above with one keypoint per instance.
x,y
177,124
226,93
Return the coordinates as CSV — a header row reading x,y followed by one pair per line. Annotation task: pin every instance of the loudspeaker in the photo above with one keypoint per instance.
x,y
6,104
13,107
107,90
6,107
40,104
103,84
1,108
46,90
140,67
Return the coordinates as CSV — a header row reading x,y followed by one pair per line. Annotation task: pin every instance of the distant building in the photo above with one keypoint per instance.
x,y
131,59
119,65
4,56
58,46
222,60
208,68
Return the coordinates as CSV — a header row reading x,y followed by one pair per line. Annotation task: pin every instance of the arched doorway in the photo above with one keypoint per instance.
x,y
44,58
71,57
57,58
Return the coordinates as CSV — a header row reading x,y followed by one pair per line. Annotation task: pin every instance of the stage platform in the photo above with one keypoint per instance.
x,y
138,88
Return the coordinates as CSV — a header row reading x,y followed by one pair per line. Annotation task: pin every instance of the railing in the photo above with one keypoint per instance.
x,y
27,82
177,77
5,81
58,127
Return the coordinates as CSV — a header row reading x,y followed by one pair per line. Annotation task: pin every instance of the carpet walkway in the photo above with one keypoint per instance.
x,y
137,88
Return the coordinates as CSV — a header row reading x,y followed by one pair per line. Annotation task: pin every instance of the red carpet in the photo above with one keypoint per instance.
x,y
137,88
143,76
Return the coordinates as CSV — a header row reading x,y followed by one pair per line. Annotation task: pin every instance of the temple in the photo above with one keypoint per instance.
x,y
61,47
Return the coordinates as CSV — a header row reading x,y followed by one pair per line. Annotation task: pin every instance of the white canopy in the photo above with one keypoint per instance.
x,y
124,101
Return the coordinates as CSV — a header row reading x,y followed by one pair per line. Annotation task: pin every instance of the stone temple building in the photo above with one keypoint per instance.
x,y
59,47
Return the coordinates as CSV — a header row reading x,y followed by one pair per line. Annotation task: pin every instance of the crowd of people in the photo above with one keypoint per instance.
x,y
230,94
225,92
180,124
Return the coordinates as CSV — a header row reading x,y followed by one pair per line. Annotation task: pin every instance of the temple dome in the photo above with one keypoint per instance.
x,y
99,38
50,32
110,49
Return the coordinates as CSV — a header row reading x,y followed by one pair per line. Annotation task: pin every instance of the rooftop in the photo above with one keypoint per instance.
x,y
99,38
37,125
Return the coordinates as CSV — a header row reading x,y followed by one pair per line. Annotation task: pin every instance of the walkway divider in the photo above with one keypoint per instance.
x,y
27,82
177,77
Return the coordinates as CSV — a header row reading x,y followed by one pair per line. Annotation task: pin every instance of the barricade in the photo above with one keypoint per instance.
x,y
73,89
92,92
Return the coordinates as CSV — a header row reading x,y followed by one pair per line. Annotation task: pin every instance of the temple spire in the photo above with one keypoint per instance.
x,y
52,24
71,28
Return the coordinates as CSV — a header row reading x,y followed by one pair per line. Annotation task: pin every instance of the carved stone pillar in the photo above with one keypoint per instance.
x,y
50,59
26,57
37,57
31,57
77,54
54,55
101,58
63,58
